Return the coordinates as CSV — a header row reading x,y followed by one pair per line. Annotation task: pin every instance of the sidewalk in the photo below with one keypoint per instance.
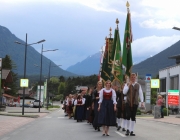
x,y
12,118
171,119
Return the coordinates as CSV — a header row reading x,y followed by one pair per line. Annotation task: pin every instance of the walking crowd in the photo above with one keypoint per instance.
x,y
108,106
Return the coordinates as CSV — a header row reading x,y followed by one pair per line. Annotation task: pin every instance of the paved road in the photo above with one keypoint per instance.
x,y
55,126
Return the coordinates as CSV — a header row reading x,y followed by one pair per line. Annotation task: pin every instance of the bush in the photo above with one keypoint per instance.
x,y
165,112
138,112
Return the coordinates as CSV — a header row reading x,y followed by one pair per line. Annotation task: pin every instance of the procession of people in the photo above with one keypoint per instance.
x,y
107,106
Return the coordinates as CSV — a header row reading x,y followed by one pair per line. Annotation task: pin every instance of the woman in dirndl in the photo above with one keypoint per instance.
x,y
107,108
70,106
79,112
96,105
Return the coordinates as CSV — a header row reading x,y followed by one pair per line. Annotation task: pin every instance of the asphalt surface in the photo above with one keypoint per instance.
x,y
55,126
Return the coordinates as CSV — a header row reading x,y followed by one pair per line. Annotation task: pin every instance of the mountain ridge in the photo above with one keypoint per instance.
x,y
17,55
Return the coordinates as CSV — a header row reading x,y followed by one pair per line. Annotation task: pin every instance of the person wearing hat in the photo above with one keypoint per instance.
x,y
107,108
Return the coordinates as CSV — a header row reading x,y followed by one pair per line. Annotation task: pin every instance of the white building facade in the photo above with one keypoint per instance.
x,y
169,79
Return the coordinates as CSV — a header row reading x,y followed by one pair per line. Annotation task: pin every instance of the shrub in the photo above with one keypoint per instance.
x,y
165,112
138,112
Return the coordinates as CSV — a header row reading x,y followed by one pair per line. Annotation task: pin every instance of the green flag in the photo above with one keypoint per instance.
x,y
117,64
127,50
106,66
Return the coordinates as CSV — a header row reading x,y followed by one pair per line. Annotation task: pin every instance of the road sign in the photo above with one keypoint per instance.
x,y
24,83
148,101
148,77
148,97
148,93
173,97
155,83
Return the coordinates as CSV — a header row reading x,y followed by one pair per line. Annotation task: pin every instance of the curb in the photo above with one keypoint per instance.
x,y
16,115
155,120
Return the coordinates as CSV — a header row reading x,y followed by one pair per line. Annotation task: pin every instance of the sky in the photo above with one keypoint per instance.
x,y
77,28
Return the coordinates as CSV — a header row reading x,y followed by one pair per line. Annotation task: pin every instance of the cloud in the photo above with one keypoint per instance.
x,y
159,24
151,45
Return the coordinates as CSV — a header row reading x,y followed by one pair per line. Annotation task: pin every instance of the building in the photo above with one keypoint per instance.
x,y
169,77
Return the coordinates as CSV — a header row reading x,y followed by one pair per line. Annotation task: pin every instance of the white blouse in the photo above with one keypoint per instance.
x,y
68,101
83,101
108,91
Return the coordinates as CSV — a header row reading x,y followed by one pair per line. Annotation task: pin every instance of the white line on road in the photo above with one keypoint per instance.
x,y
122,135
61,117
22,128
15,133
47,117
172,124
5,138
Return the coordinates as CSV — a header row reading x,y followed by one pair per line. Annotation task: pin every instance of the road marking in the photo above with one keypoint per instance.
x,y
47,117
15,133
122,135
59,110
172,124
22,128
5,138
61,117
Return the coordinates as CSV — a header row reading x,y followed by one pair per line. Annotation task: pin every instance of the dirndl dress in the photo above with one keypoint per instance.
x,y
107,115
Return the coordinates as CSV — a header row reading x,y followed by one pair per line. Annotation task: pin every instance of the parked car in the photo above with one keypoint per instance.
x,y
36,103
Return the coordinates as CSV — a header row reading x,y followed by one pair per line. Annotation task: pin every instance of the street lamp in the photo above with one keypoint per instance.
x,y
25,64
41,71
176,28
49,80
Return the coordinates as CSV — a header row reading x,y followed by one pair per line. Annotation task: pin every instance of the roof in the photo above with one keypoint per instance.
x,y
9,96
6,75
21,91
174,56
177,57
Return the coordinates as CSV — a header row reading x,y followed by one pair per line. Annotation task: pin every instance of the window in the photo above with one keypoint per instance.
x,y
163,85
174,83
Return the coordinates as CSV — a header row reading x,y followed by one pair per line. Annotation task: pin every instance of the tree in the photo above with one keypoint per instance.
x,y
61,79
7,63
61,88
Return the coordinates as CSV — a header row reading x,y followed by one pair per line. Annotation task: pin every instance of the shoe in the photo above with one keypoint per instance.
x,y
107,134
95,128
132,134
119,127
123,129
103,134
127,132
98,129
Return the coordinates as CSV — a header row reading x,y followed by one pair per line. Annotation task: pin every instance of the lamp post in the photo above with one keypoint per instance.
x,y
49,80
41,71
26,44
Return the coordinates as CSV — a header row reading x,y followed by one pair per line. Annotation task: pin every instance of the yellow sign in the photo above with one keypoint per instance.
x,y
155,83
24,83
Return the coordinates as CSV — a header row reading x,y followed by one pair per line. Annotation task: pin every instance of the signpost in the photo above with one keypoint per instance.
x,y
148,92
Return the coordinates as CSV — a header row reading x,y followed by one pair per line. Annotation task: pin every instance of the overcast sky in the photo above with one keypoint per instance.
x,y
78,27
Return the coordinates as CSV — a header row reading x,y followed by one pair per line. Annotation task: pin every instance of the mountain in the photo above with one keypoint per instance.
x,y
151,65
17,53
159,61
89,66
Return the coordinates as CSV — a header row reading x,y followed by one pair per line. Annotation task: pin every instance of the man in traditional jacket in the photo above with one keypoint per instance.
x,y
133,92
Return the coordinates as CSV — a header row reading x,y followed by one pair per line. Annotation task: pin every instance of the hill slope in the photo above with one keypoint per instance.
x,y
159,61
17,52
151,65
89,66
